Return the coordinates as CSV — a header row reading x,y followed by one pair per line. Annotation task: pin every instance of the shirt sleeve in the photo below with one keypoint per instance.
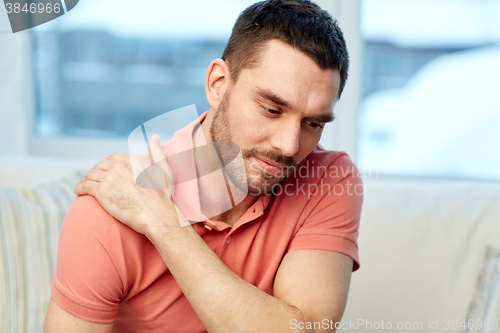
x,y
88,279
331,217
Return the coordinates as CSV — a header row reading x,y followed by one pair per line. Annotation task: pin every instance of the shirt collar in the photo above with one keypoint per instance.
x,y
186,194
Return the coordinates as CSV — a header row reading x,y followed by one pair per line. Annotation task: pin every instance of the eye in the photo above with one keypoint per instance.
x,y
314,125
271,111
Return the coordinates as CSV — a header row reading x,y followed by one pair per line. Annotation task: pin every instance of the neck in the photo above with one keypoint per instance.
x,y
212,194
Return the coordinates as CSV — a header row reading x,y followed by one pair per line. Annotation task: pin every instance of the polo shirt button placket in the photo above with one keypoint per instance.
x,y
228,240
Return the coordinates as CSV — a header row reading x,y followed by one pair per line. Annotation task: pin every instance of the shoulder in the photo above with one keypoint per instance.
x,y
87,207
336,178
87,217
325,185
322,172
331,164
97,260
89,229
330,190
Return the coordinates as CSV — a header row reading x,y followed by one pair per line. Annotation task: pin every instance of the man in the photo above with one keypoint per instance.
x,y
280,260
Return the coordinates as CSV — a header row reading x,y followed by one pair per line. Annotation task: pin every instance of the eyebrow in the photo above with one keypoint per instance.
x,y
322,118
271,96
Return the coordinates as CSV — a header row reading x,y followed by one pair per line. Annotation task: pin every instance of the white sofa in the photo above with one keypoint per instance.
x,y
35,194
421,246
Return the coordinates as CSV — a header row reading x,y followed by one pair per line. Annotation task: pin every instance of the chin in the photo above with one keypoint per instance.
x,y
260,185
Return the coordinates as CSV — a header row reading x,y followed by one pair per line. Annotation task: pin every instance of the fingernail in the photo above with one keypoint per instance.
x,y
157,138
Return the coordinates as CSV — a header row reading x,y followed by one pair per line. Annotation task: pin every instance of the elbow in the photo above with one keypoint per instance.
x,y
303,324
317,326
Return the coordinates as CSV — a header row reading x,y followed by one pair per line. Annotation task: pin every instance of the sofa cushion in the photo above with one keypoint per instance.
x,y
30,221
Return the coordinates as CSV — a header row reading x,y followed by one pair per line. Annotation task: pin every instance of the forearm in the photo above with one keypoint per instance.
x,y
223,301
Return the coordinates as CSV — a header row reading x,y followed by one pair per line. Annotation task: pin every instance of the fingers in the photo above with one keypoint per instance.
x,y
98,171
104,165
95,175
87,187
81,180
92,175
118,157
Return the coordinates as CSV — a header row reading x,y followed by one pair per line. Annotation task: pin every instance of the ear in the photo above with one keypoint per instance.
x,y
216,82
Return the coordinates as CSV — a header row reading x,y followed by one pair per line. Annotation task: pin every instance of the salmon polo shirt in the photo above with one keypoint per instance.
x,y
106,272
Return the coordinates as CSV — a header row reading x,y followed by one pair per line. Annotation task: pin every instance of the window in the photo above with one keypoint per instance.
x,y
109,65
430,88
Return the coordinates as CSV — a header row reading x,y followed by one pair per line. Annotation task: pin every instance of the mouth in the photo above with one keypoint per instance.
x,y
272,168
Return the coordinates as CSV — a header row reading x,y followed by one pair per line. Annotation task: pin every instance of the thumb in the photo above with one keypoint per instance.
x,y
158,158
155,151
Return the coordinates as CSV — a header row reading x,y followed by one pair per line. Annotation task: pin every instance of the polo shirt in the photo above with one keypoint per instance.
x,y
106,272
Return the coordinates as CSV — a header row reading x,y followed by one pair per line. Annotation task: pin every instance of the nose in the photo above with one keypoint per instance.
x,y
286,138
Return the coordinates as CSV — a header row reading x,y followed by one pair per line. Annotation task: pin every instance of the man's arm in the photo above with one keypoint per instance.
x,y
311,285
317,283
58,320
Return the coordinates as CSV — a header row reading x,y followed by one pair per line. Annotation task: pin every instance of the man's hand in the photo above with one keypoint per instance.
x,y
112,183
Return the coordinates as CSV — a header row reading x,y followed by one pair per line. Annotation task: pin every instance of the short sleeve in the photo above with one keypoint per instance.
x,y
332,214
87,281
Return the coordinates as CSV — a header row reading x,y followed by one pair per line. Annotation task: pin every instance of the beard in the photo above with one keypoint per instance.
x,y
253,179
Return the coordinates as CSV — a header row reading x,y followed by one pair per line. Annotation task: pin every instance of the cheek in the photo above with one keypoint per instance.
x,y
248,127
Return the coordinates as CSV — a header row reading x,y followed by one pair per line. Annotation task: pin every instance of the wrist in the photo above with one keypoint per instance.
x,y
159,222
161,235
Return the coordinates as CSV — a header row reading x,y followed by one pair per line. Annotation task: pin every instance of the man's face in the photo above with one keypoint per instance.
x,y
275,113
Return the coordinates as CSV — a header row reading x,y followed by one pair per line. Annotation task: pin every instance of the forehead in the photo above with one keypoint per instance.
x,y
293,76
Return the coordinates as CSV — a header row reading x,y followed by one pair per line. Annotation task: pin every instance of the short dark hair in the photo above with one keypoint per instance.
x,y
299,23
